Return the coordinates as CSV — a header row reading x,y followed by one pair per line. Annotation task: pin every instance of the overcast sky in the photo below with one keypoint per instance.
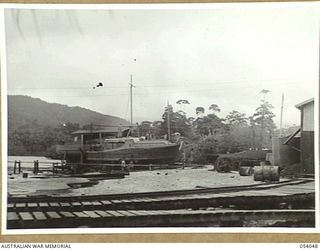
x,y
224,56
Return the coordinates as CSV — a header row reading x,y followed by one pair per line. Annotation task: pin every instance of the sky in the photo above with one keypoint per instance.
x,y
224,55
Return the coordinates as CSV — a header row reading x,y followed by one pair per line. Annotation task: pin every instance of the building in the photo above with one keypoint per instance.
x,y
307,136
295,153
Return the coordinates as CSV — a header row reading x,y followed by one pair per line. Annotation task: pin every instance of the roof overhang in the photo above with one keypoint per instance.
x,y
100,131
299,105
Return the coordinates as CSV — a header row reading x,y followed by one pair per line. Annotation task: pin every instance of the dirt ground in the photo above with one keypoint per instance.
x,y
144,181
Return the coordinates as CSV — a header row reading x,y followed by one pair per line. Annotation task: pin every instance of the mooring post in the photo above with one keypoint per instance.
x,y
53,168
36,167
14,167
19,166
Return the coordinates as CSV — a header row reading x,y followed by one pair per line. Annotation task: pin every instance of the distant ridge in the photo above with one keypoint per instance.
x,y
23,110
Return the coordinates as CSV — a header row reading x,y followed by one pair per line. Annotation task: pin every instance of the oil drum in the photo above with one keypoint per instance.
x,y
274,173
245,171
257,173
266,173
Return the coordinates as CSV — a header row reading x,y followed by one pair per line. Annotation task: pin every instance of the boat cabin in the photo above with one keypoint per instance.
x,y
90,137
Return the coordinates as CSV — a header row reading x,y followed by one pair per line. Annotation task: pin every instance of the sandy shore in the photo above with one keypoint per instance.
x,y
144,181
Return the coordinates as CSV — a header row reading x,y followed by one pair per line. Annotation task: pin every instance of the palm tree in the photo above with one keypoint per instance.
x,y
214,108
182,102
200,111
264,92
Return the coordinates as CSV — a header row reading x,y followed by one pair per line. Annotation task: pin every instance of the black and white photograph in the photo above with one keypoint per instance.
x,y
160,116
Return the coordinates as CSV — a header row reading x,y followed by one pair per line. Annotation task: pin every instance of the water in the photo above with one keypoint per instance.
x,y
27,163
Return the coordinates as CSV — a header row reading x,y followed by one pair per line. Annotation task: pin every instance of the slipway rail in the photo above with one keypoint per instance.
x,y
159,218
291,201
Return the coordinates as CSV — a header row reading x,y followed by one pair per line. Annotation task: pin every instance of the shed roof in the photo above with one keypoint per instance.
x,y
106,130
299,105
295,134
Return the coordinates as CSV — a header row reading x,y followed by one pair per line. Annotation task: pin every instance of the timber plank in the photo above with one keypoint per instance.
x,y
67,214
53,215
86,203
39,215
43,204
65,204
127,201
32,205
54,204
106,202
125,213
76,204
20,205
80,215
139,212
92,214
26,216
116,201
96,203
114,213
102,213
12,216
10,205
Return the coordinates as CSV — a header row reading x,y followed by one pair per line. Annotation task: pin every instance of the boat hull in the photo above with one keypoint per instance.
x,y
163,153
158,154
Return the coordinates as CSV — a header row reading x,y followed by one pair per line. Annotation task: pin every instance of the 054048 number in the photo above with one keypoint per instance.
x,y
308,246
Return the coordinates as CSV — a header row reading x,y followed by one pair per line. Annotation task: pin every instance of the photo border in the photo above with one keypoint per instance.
x,y
170,236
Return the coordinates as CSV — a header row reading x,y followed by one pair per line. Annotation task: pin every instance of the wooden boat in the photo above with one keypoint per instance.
x,y
114,145
93,148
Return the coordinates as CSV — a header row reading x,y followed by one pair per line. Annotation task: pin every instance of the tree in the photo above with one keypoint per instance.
x,y
191,120
235,118
145,128
36,139
264,92
214,108
200,111
262,119
178,123
209,125
182,102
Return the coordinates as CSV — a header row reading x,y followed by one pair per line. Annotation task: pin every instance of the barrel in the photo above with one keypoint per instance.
x,y
274,173
266,173
245,171
257,173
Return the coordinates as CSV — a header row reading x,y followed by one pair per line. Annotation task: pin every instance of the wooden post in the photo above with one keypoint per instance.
x,y
100,138
81,140
19,166
36,167
14,167
53,168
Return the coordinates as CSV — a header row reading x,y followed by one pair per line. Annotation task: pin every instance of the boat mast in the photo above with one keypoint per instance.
x,y
281,115
168,121
131,86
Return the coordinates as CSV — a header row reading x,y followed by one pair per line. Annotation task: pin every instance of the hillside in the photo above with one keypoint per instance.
x,y
24,110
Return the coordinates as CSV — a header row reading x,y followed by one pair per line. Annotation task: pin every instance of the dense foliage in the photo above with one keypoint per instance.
x,y
208,135
205,135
